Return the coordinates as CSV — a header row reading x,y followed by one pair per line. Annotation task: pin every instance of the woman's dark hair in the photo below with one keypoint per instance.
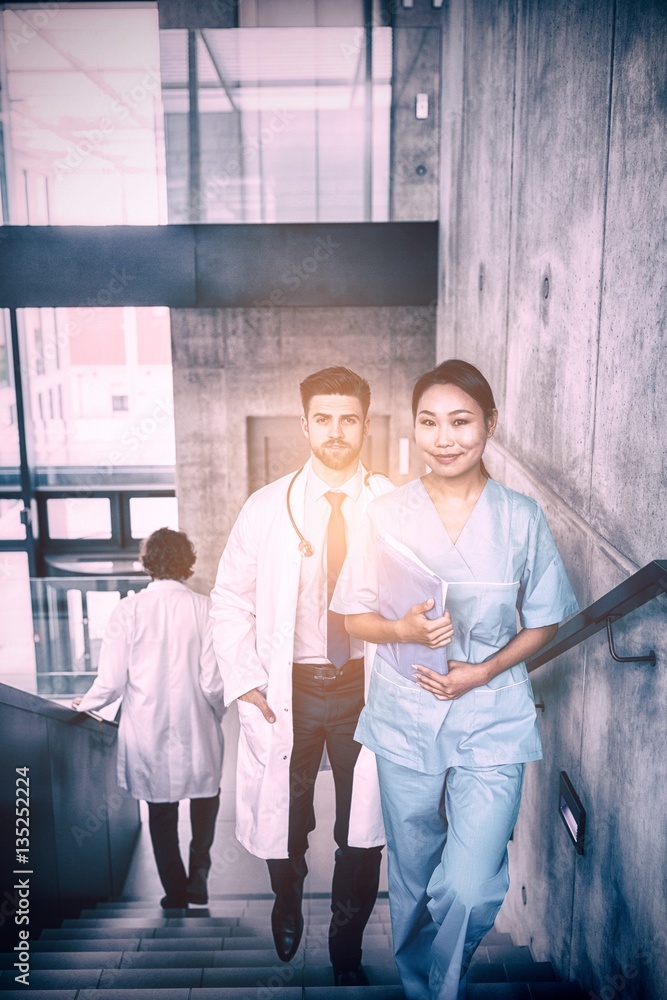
x,y
168,555
466,377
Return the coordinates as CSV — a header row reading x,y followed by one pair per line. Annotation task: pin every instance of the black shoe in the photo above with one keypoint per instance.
x,y
351,977
196,890
174,903
287,928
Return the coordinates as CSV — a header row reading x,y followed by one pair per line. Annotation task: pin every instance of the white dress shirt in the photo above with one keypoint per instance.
x,y
310,632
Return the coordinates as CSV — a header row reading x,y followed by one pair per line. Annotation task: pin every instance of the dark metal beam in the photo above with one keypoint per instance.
x,y
191,266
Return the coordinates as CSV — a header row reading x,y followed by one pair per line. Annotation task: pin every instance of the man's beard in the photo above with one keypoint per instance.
x,y
337,458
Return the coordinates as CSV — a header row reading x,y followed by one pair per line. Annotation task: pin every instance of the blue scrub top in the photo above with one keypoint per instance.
x,y
504,570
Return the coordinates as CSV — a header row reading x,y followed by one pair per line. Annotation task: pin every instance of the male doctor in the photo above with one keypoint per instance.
x,y
296,675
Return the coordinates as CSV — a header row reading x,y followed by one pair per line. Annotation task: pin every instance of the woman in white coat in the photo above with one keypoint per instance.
x,y
157,655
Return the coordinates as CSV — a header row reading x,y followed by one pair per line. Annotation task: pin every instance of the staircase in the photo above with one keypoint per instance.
x,y
130,950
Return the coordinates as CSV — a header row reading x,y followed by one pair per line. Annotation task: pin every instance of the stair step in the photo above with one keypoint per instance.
x,y
243,993
261,979
497,937
167,960
379,975
149,979
94,933
498,991
54,979
202,959
188,944
511,972
351,993
150,912
43,994
556,991
505,954
524,991
68,960
162,993
154,922
78,945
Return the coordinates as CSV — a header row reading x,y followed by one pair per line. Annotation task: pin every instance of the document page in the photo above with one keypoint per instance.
x,y
403,581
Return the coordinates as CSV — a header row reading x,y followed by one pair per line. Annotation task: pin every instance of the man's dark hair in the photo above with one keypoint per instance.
x,y
335,382
168,555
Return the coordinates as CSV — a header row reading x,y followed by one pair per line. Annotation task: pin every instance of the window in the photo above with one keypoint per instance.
x,y
82,106
86,428
147,514
11,526
289,130
9,437
79,517
17,663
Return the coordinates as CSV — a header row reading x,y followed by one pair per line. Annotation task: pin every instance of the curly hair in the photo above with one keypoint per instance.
x,y
168,555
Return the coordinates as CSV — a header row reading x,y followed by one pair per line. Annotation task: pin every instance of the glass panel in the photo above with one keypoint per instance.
x,y
99,382
10,460
17,651
282,121
75,517
70,615
11,526
83,138
150,513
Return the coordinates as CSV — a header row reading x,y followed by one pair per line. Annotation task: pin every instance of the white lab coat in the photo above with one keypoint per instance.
x,y
254,609
157,654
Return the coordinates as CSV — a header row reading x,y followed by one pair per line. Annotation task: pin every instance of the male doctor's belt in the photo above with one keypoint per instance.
x,y
327,671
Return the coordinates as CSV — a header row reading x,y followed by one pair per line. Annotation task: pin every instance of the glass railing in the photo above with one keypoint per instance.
x,y
67,617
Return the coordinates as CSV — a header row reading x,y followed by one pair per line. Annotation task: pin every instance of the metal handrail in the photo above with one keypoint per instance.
x,y
638,589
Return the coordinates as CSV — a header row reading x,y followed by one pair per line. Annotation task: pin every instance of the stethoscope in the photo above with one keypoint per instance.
x,y
305,547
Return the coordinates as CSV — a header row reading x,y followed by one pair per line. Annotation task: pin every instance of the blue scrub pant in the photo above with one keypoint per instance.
x,y
447,838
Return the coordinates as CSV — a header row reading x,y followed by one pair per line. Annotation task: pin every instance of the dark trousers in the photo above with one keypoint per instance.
x,y
163,826
326,713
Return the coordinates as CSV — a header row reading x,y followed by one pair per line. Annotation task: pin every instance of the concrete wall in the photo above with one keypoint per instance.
x,y
552,264
231,364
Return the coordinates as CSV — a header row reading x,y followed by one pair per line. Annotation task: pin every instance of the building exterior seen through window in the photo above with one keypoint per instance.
x,y
98,386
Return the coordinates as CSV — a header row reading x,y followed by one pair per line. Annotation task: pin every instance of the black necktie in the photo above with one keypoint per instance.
x,y
338,641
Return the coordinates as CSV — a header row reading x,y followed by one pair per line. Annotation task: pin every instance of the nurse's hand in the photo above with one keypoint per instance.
x,y
462,677
416,627
255,697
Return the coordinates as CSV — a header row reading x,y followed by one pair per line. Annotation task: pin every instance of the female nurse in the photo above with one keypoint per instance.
x,y
451,749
